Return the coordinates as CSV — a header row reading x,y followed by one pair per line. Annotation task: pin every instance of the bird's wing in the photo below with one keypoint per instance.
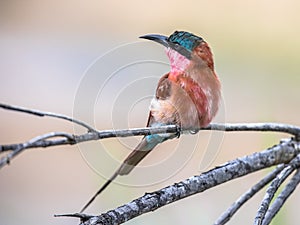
x,y
163,91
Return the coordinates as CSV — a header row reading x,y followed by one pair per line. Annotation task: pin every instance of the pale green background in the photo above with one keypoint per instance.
x,y
47,46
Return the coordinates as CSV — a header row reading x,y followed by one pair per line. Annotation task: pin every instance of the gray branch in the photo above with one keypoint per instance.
x,y
49,114
281,153
274,127
270,193
282,197
21,147
97,135
226,216
93,134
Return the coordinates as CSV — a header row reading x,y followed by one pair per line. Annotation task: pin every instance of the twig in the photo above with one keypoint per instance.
x,y
49,114
282,197
96,135
275,184
281,153
275,127
226,216
83,217
93,136
6,159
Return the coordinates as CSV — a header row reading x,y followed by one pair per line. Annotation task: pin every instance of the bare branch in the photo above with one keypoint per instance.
x,y
83,217
274,127
282,197
281,153
270,127
96,135
226,216
6,159
281,177
49,114
93,136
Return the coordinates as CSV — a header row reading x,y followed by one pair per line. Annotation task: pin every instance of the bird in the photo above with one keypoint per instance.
x,y
188,96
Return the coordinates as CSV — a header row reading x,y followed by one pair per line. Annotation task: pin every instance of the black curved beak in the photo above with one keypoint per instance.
x,y
157,38
165,42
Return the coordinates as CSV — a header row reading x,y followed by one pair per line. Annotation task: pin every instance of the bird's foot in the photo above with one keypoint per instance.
x,y
178,131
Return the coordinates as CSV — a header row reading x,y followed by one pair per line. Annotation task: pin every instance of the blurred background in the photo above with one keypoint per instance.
x,y
84,59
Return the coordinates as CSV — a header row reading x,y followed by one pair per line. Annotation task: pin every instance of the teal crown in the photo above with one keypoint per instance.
x,y
185,39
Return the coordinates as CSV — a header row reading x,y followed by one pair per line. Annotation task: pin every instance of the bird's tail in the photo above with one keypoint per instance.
x,y
142,149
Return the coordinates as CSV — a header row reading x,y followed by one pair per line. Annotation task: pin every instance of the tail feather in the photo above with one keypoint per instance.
x,y
100,190
135,157
140,152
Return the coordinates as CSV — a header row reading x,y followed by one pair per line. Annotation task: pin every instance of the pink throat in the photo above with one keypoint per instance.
x,y
178,62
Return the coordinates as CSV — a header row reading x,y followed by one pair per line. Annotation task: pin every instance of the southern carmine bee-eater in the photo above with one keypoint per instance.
x,y
188,96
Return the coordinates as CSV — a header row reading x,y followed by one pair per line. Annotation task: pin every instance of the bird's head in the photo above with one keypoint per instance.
x,y
188,45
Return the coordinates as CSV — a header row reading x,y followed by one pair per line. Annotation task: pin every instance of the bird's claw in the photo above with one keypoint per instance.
x,y
178,131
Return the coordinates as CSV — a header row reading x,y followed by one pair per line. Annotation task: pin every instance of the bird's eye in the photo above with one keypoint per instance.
x,y
176,45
